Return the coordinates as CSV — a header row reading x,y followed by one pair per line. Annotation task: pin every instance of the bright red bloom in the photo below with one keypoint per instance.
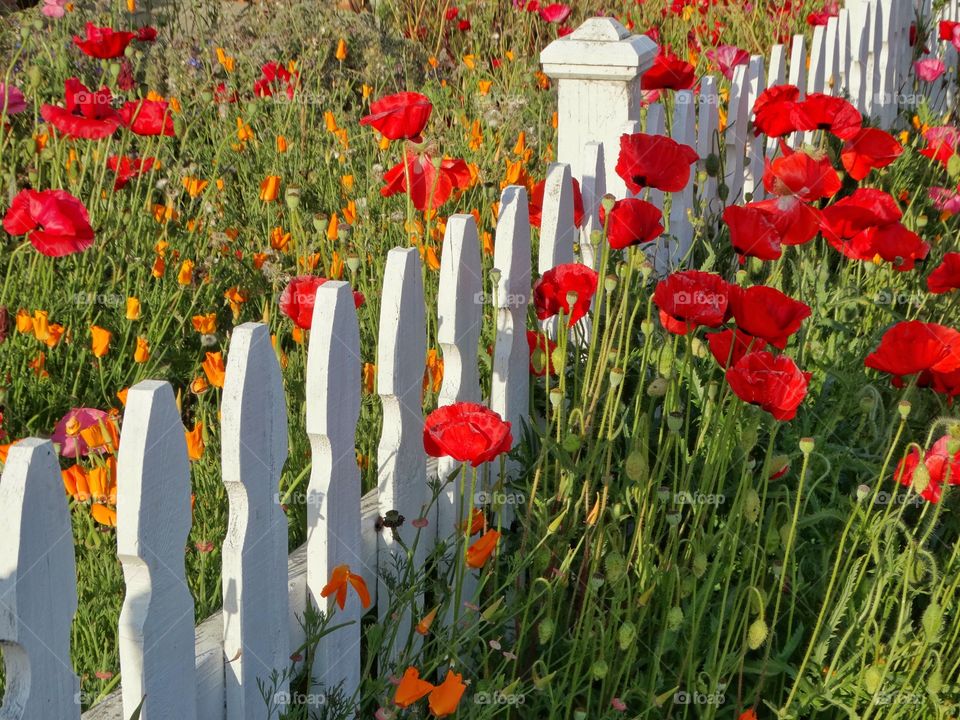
x,y
632,222
752,234
147,117
946,28
767,313
467,432
668,72
869,148
940,467
54,221
541,349
654,161
431,187
773,111
274,76
147,33
897,245
942,143
913,346
300,295
774,382
945,383
946,276
126,168
402,116
690,298
535,204
87,114
103,42
551,291
827,112
728,346
796,222
804,176
554,13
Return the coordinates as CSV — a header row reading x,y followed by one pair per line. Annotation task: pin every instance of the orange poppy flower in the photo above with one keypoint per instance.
x,y
159,267
185,275
133,308
194,186
104,515
423,627
214,369
195,444
279,239
102,481
433,374
199,386
38,365
339,578
411,688
75,483
102,436
482,549
236,297
142,353
445,697
205,324
477,522
270,188
369,377
122,396
341,53
24,321
100,340
333,227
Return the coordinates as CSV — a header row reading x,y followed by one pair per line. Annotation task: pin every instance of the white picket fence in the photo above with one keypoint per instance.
x,y
211,672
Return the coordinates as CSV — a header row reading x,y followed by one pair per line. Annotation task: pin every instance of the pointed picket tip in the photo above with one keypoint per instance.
x,y
557,231
38,587
401,344
460,296
511,248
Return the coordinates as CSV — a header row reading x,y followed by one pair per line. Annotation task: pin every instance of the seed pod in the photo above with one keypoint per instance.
x,y
657,388
636,466
757,634
712,164
723,191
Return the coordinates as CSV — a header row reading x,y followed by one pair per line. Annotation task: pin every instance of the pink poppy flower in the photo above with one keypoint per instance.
x,y
929,69
727,57
555,13
67,431
12,98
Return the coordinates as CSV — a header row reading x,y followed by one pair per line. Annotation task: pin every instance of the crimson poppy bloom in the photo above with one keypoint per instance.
x,y
668,72
632,222
552,290
103,42
773,111
774,382
554,13
535,204
88,114
941,468
467,432
752,234
654,161
300,295
767,313
147,33
946,276
946,28
431,186
541,354
897,245
54,221
728,346
795,221
942,143
827,112
274,76
912,346
802,175
690,298
869,148
401,116
126,168
944,383
147,117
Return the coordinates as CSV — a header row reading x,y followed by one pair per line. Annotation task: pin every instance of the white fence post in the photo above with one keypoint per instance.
x,y
256,638
333,494
598,67
153,521
401,459
38,587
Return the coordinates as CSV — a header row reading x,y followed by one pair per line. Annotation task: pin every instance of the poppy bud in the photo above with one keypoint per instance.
x,y
636,467
556,397
921,221
757,634
904,409
872,677
751,505
806,445
699,564
599,669
675,421
34,76
748,439
712,164
723,191
932,621
953,446
616,377
657,388
699,348
863,492
545,630
665,361
556,360
935,681
626,635
615,566
674,618
646,327
610,283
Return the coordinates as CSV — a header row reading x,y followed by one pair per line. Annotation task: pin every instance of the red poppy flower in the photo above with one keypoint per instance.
x,y
654,161
632,222
103,42
147,117
87,114
946,276
767,313
54,221
774,382
668,72
827,112
430,187
274,76
690,298
869,148
728,346
913,346
773,111
555,13
796,222
147,33
752,234
541,354
402,116
946,28
550,294
940,467
467,432
897,245
126,168
300,294
535,204
804,176
727,57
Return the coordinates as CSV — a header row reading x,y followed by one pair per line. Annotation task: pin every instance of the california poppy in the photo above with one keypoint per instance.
x,y
103,42
867,149
767,313
147,117
411,688
100,340
632,222
298,297
551,294
946,276
728,346
819,111
401,116
752,234
125,168
68,432
668,72
773,111
774,382
482,548
940,467
430,186
214,368
913,346
445,697
467,432
654,161
87,114
340,578
690,298
54,221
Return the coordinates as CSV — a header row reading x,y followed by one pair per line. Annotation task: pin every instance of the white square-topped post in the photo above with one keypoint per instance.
x,y
598,68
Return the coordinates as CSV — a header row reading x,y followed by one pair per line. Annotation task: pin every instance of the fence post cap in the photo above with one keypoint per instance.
x,y
600,48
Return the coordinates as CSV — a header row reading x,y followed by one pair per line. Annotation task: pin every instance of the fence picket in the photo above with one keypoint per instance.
x,y
708,144
655,125
156,635
831,67
333,493
735,135
753,170
681,203
557,231
256,641
38,587
592,190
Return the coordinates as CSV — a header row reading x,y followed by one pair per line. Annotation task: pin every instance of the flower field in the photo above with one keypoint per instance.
x,y
735,495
